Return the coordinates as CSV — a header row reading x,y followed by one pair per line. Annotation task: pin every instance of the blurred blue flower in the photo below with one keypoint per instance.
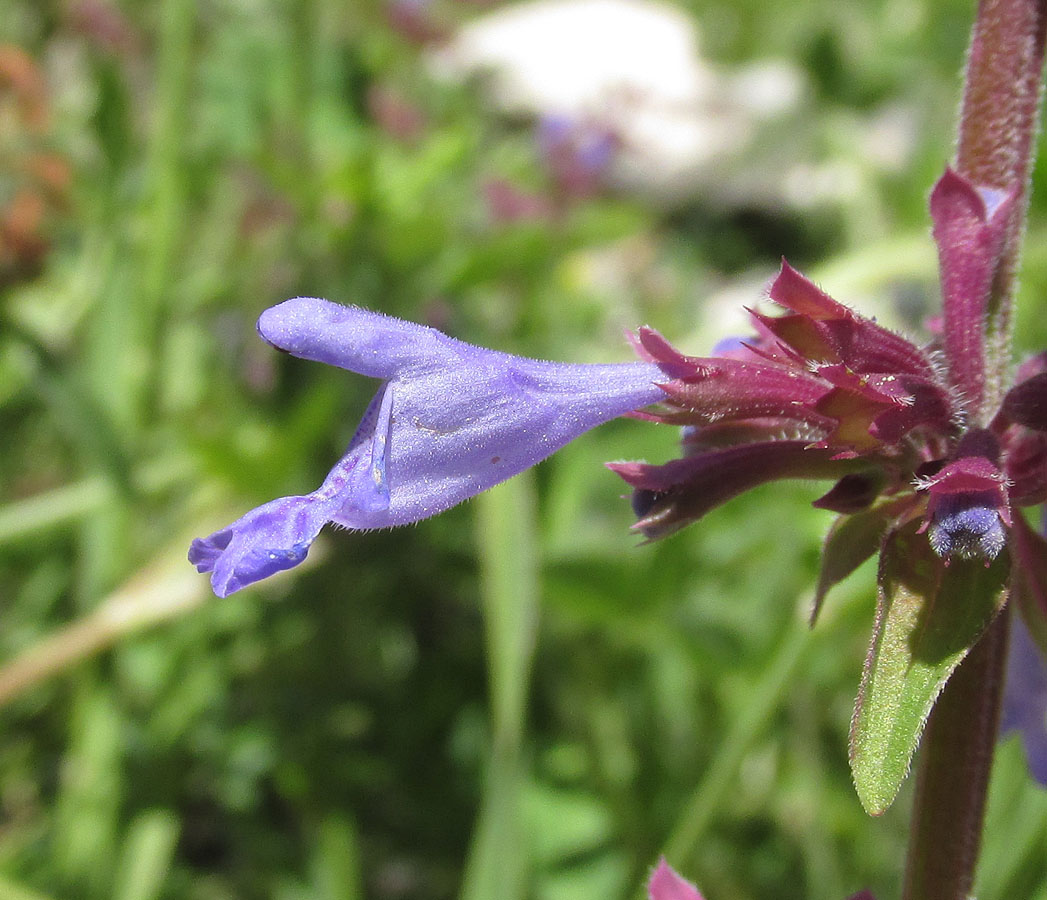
x,y
577,153
449,421
1025,698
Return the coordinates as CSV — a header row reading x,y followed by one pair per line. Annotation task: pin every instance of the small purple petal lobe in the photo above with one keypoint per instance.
x,y
665,884
204,552
267,540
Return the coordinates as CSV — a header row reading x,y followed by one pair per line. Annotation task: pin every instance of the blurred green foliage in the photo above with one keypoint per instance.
x,y
509,701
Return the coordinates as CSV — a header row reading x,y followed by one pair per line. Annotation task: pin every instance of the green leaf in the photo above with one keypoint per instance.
x,y
928,616
851,540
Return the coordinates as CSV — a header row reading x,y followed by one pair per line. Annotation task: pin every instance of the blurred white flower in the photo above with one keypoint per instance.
x,y
632,67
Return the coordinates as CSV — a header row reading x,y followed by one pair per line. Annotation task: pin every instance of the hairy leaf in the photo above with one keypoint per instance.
x,y
930,612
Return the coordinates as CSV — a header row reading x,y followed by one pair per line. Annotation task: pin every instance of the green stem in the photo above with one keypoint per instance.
x,y
955,761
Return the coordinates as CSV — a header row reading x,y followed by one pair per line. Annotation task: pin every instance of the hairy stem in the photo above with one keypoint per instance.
x,y
998,126
955,761
998,120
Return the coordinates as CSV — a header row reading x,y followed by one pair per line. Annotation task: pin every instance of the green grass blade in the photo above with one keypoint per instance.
x,y
509,568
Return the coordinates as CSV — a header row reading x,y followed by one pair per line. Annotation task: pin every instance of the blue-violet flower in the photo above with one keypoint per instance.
x,y
449,421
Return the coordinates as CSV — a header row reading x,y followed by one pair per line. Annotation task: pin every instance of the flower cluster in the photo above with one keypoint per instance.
x,y
822,392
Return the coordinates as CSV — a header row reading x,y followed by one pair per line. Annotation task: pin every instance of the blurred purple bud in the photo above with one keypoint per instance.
x,y
665,884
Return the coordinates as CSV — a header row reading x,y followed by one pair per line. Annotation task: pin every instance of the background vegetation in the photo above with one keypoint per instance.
x,y
509,701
